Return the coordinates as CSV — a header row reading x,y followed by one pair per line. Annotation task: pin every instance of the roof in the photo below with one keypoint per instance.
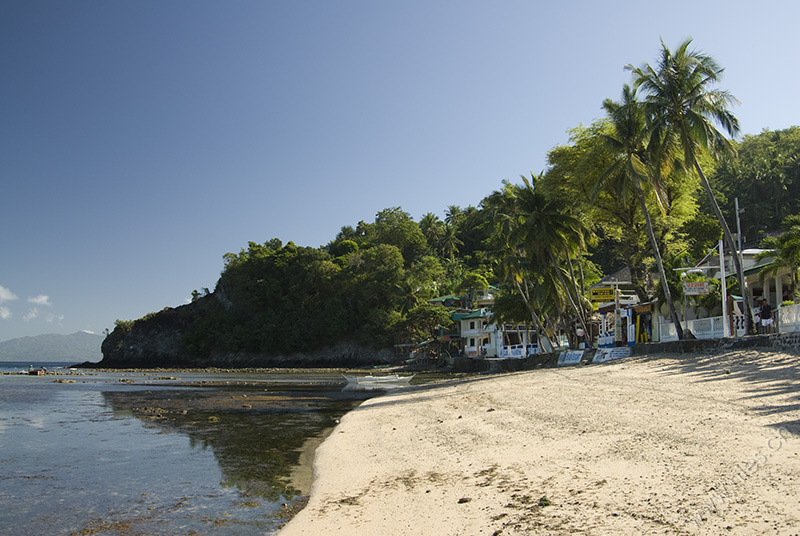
x,y
758,266
477,313
623,275
445,298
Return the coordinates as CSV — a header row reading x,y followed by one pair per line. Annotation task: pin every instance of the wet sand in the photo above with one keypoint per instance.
x,y
668,444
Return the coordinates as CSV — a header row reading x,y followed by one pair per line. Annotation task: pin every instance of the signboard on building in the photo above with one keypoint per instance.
x,y
695,288
602,294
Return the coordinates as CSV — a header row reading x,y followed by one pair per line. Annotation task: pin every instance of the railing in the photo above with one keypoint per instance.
x,y
708,328
702,328
788,318
668,332
739,325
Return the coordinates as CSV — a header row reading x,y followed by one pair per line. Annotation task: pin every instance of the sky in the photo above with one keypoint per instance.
x,y
142,140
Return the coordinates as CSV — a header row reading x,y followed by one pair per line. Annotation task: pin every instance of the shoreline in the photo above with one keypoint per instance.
x,y
662,444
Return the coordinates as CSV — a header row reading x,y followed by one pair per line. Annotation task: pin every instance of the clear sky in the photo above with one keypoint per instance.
x,y
141,140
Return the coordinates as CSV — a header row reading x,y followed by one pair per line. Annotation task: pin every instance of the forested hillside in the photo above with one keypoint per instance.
x,y
370,284
650,186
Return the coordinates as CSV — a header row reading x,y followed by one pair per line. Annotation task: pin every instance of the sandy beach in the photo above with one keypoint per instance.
x,y
666,444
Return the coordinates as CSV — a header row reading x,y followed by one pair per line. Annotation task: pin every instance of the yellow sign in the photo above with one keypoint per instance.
x,y
602,294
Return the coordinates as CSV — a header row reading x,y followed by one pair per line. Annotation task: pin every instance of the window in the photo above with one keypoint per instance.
x,y
472,325
472,342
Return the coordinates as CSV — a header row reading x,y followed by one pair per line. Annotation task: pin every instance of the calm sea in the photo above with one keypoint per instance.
x,y
135,453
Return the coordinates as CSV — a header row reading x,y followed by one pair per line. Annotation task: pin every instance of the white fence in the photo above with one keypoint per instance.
x,y
787,321
702,328
788,318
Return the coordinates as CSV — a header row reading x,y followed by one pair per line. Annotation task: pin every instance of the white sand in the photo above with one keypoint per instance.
x,y
659,445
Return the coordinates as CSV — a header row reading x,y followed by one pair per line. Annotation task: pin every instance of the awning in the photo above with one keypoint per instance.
x,y
753,270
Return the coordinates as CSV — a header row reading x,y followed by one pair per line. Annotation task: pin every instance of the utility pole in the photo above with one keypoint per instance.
x,y
742,289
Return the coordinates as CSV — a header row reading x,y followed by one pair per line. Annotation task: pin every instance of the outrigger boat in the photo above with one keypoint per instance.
x,y
389,378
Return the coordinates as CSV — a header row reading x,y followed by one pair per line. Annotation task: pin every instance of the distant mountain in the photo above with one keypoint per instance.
x,y
78,347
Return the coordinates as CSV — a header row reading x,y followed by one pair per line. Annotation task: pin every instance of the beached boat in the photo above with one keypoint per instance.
x,y
37,372
370,379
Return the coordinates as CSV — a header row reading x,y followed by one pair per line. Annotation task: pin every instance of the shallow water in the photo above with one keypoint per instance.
x,y
115,454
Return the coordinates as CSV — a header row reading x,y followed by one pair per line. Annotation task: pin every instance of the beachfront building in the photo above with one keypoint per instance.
x,y
477,335
708,323
613,290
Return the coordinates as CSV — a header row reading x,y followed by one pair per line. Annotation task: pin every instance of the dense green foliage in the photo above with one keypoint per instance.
x,y
766,179
651,186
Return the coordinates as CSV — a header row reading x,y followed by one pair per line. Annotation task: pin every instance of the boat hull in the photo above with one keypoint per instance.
x,y
389,379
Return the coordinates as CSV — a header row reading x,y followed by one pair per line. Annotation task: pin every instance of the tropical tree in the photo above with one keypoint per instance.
x,y
552,236
765,177
784,250
454,215
538,238
514,266
682,107
633,168
574,172
433,229
424,321
449,242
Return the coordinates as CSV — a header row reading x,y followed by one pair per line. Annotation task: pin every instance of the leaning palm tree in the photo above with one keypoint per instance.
x,y
551,235
681,107
784,250
629,140
514,263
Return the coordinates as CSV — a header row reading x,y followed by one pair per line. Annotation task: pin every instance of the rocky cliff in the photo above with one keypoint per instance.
x,y
162,340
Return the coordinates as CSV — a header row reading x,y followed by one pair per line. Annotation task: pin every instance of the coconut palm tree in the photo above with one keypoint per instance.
x,y
433,229
514,263
449,241
682,107
632,169
551,235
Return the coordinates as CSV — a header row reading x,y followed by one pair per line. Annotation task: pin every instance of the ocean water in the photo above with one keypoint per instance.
x,y
134,453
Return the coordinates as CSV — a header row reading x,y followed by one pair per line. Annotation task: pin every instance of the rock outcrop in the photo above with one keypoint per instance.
x,y
160,341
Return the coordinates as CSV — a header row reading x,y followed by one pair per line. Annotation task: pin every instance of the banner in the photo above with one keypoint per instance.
x,y
570,357
609,354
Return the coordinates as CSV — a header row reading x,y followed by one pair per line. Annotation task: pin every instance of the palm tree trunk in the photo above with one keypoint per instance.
x,y
659,262
578,294
726,232
572,303
540,330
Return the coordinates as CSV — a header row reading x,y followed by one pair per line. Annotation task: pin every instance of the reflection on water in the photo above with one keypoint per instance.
x,y
100,457
256,435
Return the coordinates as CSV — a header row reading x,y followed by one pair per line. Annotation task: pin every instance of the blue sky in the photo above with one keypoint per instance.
x,y
140,141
